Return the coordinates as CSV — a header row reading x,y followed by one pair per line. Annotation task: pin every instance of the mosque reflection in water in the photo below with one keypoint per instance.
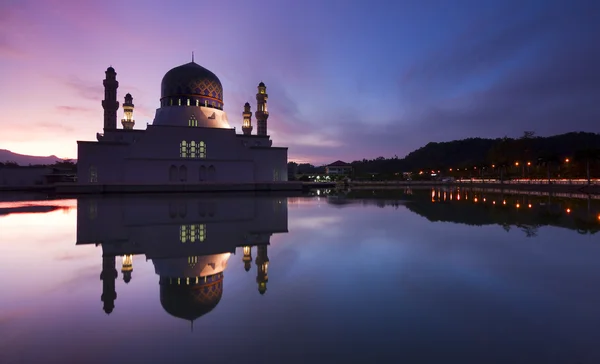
x,y
188,240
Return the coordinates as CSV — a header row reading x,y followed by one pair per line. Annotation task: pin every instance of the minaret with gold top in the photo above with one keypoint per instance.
x,y
262,113
128,121
247,124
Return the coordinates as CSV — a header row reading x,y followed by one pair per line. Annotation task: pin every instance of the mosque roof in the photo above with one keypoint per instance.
x,y
193,80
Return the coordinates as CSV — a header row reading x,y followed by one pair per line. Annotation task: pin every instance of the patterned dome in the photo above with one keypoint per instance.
x,y
191,301
191,80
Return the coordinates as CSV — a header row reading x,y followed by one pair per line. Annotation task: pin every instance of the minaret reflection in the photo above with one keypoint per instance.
x,y
190,251
127,267
247,259
262,264
108,276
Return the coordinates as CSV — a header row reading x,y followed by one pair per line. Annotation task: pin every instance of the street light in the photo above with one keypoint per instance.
x,y
528,163
517,164
567,160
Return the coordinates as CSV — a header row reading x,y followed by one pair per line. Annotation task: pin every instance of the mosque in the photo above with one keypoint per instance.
x,y
189,240
190,140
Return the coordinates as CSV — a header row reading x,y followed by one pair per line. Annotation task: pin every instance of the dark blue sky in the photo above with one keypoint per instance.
x,y
347,79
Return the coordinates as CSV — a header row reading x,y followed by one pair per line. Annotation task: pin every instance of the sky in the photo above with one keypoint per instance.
x,y
346,79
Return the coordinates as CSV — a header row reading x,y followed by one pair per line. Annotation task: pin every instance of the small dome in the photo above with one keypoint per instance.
x,y
110,70
128,96
261,84
191,79
189,302
247,104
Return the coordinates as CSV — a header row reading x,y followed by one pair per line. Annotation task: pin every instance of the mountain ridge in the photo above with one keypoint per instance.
x,y
25,160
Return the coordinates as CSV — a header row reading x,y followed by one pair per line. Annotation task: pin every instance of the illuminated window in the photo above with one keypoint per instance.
x,y
205,103
213,104
183,149
192,233
183,237
188,102
93,174
170,102
193,121
197,102
192,262
179,102
193,149
201,150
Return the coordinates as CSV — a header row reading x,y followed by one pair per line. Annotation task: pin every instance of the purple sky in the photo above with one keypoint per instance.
x,y
346,79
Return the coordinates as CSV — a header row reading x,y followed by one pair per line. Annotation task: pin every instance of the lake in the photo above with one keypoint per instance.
x,y
373,276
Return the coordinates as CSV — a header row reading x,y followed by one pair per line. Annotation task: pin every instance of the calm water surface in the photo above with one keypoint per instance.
x,y
423,276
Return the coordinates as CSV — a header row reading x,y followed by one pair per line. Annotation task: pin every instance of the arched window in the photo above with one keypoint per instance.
x,y
183,149
183,173
170,102
212,173
202,173
201,149
173,173
197,102
93,174
188,102
179,102
205,103
193,149
275,175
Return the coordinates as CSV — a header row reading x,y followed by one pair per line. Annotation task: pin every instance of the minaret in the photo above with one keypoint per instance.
x,y
110,103
247,114
128,122
262,263
127,267
108,277
262,114
247,259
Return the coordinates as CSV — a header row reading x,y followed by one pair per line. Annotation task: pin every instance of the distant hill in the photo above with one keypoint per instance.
x,y
473,152
25,160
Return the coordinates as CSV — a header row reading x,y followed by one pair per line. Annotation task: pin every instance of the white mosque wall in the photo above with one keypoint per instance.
x,y
191,116
155,157
104,160
271,164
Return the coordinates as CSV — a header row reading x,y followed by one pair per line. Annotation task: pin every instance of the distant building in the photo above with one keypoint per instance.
x,y
190,140
338,168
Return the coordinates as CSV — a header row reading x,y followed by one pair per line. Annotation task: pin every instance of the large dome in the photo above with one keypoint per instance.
x,y
191,80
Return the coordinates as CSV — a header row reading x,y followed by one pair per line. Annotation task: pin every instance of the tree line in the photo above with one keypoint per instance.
x,y
575,154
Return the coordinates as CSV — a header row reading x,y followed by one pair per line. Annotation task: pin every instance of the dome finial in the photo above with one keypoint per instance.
x,y
192,56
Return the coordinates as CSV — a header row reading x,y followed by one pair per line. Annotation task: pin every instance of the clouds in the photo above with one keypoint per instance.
x,y
347,80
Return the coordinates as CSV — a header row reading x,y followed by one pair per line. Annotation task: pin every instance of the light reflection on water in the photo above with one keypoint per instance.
x,y
385,276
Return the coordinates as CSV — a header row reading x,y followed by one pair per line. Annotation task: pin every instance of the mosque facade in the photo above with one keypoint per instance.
x,y
190,140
